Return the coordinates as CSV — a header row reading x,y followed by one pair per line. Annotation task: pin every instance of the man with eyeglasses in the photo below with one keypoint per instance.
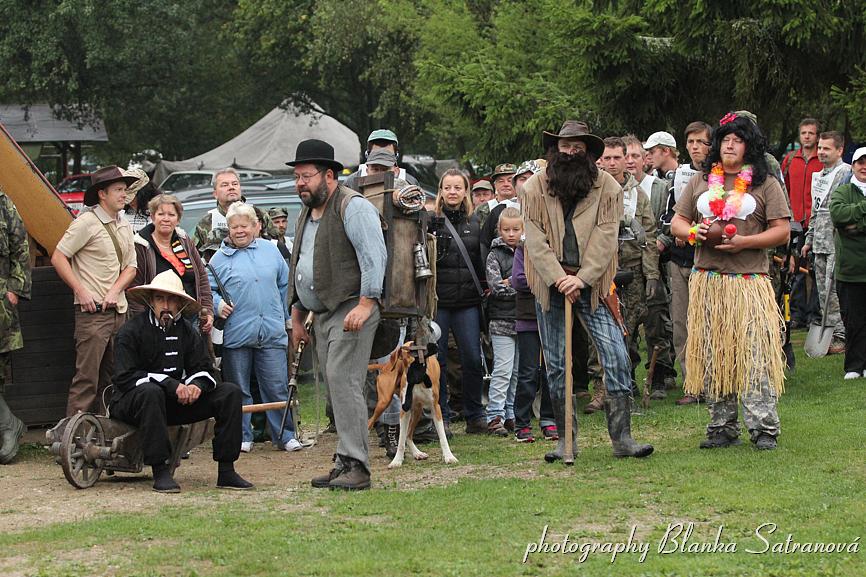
x,y
213,227
338,271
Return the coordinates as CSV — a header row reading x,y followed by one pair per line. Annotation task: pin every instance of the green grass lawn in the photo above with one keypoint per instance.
x,y
812,486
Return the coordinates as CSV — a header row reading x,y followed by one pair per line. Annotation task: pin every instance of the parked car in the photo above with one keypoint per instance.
x,y
186,179
71,190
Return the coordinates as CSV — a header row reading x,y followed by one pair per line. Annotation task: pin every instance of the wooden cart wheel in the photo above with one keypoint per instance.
x,y
79,450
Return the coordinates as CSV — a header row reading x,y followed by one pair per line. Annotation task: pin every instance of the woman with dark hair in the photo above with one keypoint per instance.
x,y
459,299
733,348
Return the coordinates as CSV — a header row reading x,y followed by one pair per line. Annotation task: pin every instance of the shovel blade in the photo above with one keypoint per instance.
x,y
818,341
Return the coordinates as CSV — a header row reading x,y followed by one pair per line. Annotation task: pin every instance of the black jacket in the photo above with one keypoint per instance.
x,y
144,353
454,285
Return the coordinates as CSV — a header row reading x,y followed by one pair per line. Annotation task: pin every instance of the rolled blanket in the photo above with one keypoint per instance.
x,y
734,334
409,199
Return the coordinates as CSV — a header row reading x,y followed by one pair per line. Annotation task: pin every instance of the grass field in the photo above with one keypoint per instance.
x,y
482,523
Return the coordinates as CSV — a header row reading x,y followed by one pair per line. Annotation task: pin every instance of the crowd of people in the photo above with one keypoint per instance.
x,y
618,234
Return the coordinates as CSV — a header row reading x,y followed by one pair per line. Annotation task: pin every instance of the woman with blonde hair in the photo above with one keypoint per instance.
x,y
459,292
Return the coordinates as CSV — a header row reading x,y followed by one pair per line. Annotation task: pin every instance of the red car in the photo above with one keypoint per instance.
x,y
71,190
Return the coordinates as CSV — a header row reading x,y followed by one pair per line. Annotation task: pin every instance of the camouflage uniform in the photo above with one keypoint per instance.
x,y
759,413
208,239
820,238
640,256
14,277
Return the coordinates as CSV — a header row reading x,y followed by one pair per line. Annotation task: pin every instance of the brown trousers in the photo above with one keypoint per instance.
x,y
94,359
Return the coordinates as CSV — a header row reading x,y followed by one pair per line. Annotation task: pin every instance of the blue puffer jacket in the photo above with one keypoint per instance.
x,y
257,280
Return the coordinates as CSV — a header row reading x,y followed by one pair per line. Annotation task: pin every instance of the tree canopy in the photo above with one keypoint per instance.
x,y
476,79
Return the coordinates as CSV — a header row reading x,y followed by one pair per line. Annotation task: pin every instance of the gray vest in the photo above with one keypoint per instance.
x,y
336,273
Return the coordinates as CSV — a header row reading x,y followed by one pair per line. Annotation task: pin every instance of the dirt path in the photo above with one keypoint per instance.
x,y
35,492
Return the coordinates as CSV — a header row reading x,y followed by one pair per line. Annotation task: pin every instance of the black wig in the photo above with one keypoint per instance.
x,y
756,147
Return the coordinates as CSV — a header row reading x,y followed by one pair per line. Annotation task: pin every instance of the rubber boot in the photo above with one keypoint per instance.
x,y
559,452
618,411
392,437
11,430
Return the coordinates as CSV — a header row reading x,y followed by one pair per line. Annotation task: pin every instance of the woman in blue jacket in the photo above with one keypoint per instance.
x,y
256,278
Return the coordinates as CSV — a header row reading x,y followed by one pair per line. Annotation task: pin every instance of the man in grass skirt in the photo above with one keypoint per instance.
x,y
733,211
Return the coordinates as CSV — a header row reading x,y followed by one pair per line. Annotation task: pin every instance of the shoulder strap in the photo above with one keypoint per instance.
x,y
459,242
113,241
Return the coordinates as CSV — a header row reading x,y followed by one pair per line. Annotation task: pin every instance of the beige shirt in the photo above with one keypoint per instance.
x,y
92,254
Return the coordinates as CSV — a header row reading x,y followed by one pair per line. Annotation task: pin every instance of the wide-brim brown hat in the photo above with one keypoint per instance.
x,y
101,179
575,129
315,152
165,282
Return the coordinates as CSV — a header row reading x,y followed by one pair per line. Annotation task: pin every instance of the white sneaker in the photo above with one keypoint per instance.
x,y
852,375
247,446
293,445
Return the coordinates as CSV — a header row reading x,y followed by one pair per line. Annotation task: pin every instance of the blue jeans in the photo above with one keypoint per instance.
x,y
271,369
503,382
605,334
465,323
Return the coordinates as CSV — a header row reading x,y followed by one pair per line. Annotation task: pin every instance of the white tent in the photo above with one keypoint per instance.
x,y
270,143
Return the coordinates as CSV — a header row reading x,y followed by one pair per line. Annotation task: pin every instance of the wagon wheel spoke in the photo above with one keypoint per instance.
x,y
76,454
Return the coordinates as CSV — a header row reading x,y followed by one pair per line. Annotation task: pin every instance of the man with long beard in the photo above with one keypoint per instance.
x,y
571,213
338,269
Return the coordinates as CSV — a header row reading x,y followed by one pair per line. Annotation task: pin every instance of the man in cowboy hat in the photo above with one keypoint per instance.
x,y
96,258
338,269
571,212
162,378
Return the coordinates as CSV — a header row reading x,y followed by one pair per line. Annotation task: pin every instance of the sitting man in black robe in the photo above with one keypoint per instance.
x,y
162,378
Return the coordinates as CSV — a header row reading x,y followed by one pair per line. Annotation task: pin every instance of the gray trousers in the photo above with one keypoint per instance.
x,y
343,358
759,412
825,264
679,279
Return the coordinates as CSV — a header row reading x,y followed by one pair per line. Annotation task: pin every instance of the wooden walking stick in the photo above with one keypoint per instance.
x,y
568,451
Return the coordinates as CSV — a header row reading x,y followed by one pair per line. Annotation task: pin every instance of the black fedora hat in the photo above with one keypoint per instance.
x,y
575,129
316,152
101,179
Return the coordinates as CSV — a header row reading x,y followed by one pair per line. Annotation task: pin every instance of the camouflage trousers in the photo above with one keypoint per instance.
x,y
633,304
759,412
825,264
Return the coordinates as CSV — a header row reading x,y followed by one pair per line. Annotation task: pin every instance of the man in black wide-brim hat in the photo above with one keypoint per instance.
x,y
338,269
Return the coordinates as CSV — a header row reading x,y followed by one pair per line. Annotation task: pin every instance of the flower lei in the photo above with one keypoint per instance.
x,y
725,204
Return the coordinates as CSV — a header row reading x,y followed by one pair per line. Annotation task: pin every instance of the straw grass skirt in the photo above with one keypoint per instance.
x,y
734,334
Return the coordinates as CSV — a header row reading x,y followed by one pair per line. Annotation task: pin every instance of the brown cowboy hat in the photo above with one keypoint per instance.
x,y
102,178
575,129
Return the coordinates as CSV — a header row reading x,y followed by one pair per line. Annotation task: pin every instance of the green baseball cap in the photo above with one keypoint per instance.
x,y
383,134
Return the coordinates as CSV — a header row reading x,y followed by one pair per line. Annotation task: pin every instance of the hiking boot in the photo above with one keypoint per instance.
x,y
765,442
425,433
509,425
550,433
719,441
558,453
324,481
687,400
163,482
392,437
476,427
658,395
353,477
597,402
618,413
837,347
524,435
495,427
11,430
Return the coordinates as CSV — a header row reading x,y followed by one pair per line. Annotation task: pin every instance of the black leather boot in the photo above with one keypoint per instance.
x,y
559,452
